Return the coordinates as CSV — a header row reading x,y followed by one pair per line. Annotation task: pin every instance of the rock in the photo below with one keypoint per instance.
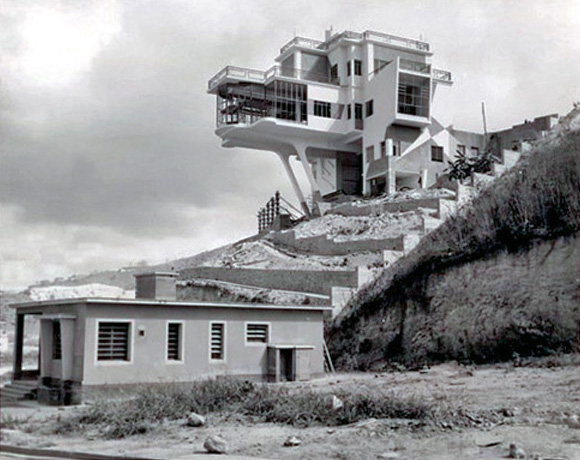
x,y
516,452
572,421
195,420
215,445
292,441
337,403
388,455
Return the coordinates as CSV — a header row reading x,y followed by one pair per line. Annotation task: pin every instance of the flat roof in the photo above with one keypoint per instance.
x,y
165,303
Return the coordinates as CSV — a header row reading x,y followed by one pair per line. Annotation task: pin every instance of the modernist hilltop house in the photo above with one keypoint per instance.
x,y
156,339
355,109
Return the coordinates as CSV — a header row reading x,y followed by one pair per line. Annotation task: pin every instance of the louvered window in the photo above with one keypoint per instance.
x,y
56,341
217,341
113,341
174,341
257,333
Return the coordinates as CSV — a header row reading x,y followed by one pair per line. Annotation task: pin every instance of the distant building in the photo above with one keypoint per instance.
x,y
156,339
355,109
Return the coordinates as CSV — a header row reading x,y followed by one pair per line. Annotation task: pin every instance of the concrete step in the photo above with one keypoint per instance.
x,y
23,385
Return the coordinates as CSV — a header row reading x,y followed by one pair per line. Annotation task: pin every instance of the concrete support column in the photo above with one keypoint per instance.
x,y
45,348
298,63
369,64
389,147
18,344
67,330
295,185
391,177
301,151
424,178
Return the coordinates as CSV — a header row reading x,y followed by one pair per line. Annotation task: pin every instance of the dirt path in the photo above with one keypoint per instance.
x,y
538,407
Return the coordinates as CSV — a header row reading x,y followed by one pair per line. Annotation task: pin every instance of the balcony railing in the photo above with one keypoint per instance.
x,y
413,66
387,39
303,43
442,75
259,76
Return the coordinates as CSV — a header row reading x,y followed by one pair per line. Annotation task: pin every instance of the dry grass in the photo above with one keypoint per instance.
x,y
255,402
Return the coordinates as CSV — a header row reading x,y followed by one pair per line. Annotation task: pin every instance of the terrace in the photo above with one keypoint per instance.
x,y
386,39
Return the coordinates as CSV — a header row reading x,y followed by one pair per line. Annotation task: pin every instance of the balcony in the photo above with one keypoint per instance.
x,y
442,76
379,37
413,66
259,76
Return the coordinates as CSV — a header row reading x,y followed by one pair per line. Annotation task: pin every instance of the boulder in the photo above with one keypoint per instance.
x,y
337,403
292,441
195,420
215,445
516,452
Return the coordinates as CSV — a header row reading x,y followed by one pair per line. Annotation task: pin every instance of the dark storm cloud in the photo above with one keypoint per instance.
x,y
132,139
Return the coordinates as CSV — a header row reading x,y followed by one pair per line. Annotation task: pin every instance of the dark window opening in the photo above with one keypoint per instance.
x,y
334,73
257,333
56,340
113,341
217,341
174,341
348,64
437,153
369,108
322,109
357,67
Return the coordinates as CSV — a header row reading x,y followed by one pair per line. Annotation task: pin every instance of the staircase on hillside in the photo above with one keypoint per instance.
x,y
16,391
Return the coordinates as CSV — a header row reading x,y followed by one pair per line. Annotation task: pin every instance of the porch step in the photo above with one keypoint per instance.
x,y
18,390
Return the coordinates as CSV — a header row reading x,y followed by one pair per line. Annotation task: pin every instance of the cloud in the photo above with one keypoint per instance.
x,y
106,132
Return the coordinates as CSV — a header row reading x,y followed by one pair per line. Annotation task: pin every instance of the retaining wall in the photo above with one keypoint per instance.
x,y
317,282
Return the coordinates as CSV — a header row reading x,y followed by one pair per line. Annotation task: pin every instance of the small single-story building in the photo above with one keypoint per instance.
x,y
154,338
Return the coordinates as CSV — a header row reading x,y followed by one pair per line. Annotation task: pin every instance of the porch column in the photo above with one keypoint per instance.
x,y
67,347
391,176
18,344
46,347
286,162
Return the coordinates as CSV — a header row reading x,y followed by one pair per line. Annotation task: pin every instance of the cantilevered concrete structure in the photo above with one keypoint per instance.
x,y
355,109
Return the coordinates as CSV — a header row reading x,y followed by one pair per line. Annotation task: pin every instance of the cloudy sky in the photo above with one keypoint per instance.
x,y
108,156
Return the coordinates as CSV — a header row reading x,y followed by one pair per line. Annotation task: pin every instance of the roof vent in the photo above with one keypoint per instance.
x,y
156,286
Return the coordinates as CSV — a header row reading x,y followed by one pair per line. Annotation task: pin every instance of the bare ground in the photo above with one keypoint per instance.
x,y
536,408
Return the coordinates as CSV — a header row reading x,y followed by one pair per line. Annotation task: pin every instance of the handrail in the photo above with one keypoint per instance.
x,y
260,76
442,75
415,66
380,37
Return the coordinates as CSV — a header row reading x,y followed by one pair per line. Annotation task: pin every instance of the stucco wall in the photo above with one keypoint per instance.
x,y
148,362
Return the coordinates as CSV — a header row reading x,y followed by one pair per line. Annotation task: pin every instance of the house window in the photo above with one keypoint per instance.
x,y
217,341
174,338
257,333
334,73
348,69
349,111
437,153
474,151
113,342
369,108
357,67
56,341
461,149
383,148
371,153
322,109
358,111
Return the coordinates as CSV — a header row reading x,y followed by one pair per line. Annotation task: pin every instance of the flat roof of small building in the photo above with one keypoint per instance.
x,y
165,303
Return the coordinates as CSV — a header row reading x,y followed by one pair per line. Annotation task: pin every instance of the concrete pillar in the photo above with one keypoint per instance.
x,y
18,344
67,330
301,151
389,147
369,64
391,176
295,185
424,178
298,63
45,348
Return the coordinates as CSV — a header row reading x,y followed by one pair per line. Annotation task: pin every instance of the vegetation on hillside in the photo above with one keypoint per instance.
x,y
539,199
